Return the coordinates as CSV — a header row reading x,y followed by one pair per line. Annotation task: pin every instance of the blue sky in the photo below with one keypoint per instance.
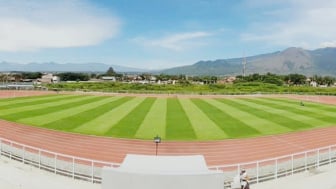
x,y
155,34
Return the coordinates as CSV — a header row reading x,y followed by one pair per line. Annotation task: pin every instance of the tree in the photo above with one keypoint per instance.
x,y
327,80
17,77
4,78
110,72
296,79
31,75
71,76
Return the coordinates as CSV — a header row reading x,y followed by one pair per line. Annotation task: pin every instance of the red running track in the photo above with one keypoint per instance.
x,y
215,152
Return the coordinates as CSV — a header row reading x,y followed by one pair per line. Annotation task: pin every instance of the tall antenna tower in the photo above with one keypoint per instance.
x,y
244,65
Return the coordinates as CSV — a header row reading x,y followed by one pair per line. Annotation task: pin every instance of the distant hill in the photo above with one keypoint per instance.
x,y
291,60
69,67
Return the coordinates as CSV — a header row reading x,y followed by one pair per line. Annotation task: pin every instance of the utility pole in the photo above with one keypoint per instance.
x,y
244,66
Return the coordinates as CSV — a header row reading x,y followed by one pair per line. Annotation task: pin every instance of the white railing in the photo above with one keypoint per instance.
x,y
75,167
90,170
268,169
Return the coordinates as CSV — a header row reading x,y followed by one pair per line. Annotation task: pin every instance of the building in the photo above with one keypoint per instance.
x,y
49,78
108,78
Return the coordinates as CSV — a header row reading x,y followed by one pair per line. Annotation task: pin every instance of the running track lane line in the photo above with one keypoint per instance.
x,y
220,152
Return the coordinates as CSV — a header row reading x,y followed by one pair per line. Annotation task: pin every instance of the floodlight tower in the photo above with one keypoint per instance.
x,y
244,66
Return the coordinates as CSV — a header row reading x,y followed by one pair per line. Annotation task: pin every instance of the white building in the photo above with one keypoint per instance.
x,y
313,83
49,78
109,78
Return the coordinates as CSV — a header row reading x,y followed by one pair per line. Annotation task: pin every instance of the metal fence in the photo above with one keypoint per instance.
x,y
204,93
91,170
71,166
268,169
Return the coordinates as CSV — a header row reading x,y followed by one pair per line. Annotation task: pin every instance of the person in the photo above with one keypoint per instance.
x,y
244,179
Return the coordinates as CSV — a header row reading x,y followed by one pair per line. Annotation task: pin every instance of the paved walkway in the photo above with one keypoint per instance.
x,y
321,178
15,175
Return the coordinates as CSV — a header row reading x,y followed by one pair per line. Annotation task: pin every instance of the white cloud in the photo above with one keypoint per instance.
x,y
306,23
176,42
38,24
328,44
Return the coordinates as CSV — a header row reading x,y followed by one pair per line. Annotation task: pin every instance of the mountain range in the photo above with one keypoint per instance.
x,y
69,67
291,60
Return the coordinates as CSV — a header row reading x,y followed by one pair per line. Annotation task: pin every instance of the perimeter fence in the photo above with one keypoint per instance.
x,y
268,169
91,170
71,166
168,92
202,93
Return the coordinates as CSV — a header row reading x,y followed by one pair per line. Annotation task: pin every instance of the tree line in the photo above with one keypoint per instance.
x,y
279,80
290,79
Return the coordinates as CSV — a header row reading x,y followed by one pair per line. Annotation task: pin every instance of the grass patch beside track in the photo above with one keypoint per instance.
x,y
172,118
233,127
155,121
128,126
178,125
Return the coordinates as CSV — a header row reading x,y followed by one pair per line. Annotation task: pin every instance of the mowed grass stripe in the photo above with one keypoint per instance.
x,y
264,126
103,123
204,128
61,105
10,98
318,117
50,103
232,126
171,118
155,121
32,102
71,122
178,125
6,101
326,108
61,114
323,107
129,125
282,117
305,114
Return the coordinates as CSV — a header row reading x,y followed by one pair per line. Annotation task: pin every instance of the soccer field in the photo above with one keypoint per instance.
x,y
170,118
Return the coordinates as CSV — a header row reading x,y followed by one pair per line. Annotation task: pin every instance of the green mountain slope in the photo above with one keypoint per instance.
x,y
291,60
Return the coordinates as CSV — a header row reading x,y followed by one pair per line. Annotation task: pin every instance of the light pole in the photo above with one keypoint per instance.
x,y
157,140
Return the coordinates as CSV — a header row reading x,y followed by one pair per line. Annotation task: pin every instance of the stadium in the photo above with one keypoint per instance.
x,y
179,94
278,135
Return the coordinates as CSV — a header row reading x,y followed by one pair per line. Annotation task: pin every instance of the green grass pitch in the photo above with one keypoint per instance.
x,y
170,118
